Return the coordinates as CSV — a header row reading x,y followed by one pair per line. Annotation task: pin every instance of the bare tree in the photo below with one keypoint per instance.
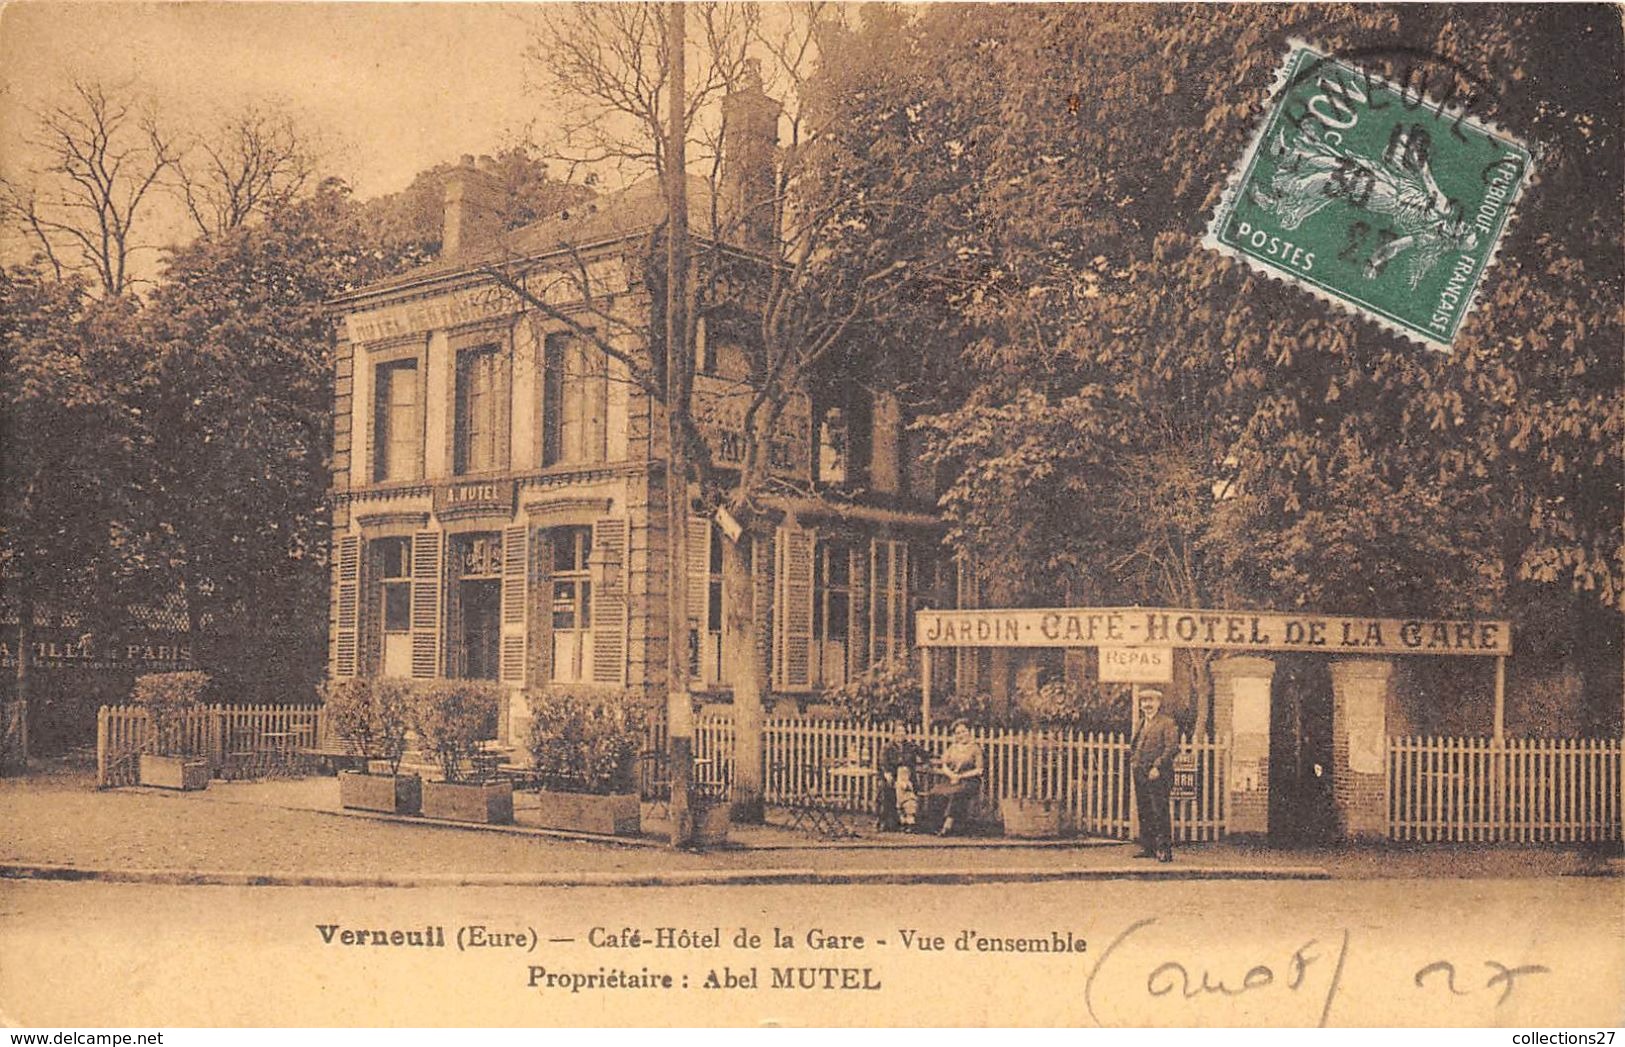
x,y
100,157
762,274
604,67
255,162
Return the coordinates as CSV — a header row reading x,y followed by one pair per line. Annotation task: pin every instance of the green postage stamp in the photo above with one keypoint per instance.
x,y
1372,196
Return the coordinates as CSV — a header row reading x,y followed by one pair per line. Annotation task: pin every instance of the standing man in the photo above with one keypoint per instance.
x,y
1156,743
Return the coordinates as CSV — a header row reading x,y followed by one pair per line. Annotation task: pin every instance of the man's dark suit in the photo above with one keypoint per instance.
x,y
1156,743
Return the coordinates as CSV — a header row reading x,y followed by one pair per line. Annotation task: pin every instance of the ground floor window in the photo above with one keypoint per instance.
x,y
571,603
834,567
705,601
393,557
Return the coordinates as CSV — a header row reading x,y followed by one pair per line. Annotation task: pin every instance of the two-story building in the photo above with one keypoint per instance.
x,y
498,480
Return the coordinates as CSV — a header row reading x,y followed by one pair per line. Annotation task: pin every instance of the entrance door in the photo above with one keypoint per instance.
x,y
481,604
1301,808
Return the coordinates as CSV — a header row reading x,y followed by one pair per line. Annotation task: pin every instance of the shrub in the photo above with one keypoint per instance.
x,y
168,699
1083,705
979,709
886,693
452,718
1086,705
370,715
586,742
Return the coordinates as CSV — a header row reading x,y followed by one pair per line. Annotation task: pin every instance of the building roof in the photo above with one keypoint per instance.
x,y
614,216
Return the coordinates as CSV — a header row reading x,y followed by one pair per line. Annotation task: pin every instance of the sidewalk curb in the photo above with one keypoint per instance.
x,y
737,847
697,878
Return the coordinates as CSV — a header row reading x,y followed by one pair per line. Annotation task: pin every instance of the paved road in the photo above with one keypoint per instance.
x,y
1185,953
259,828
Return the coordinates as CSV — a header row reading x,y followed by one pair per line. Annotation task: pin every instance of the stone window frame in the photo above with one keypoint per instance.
x,y
375,356
497,337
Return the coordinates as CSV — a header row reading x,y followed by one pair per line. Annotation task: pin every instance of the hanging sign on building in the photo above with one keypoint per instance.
x,y
474,496
720,407
1218,630
1136,664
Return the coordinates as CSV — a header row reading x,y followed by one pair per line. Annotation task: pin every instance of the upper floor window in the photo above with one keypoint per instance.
x,y
397,422
478,411
845,439
575,394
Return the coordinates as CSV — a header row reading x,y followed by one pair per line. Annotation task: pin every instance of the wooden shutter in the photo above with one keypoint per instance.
x,y
699,570
515,574
346,637
793,610
609,601
965,598
426,603
888,600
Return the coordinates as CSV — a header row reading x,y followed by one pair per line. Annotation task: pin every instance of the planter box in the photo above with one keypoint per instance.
x,y
615,815
711,822
490,803
392,794
187,773
1032,819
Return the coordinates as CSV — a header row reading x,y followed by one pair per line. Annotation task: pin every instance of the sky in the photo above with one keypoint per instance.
x,y
390,89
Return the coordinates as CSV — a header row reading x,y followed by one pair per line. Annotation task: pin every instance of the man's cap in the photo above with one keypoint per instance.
x,y
1151,692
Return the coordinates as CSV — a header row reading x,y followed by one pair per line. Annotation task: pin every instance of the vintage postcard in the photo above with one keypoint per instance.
x,y
801,514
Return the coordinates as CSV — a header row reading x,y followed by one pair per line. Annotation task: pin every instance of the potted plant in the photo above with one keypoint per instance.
x,y
170,700
585,750
452,718
370,716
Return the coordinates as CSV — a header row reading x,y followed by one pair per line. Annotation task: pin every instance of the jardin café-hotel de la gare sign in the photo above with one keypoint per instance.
x,y
1223,630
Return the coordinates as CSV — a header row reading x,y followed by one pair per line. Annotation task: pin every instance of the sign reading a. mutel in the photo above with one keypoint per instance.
x,y
474,496
1223,630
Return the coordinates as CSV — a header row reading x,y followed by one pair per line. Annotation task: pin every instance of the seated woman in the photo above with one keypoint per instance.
x,y
960,770
896,801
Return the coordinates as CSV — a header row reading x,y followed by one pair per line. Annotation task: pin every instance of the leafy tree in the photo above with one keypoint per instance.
x,y
1154,422
235,401
67,446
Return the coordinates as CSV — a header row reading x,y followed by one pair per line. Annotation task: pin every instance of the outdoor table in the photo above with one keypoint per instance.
x,y
819,811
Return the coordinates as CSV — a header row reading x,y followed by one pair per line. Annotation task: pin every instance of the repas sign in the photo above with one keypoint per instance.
x,y
1220,630
1136,664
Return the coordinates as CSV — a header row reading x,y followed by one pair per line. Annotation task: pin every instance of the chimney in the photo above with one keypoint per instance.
x,y
750,139
473,212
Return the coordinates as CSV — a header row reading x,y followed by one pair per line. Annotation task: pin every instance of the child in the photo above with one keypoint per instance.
x,y
897,801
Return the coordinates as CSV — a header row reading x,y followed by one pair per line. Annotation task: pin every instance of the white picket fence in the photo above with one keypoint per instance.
x,y
1522,789
267,736
1088,774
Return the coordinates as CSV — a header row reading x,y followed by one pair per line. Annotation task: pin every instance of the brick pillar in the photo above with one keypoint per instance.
x,y
1241,714
1359,729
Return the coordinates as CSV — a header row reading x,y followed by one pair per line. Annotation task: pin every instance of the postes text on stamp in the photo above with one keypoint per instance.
x,y
1371,195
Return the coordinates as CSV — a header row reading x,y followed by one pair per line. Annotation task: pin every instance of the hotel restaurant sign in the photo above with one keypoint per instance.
x,y
1222,630
485,302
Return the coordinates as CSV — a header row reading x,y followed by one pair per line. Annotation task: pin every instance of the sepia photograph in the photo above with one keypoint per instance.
x,y
806,514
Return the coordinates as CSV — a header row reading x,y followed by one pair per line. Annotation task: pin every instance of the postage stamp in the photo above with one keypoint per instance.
x,y
1372,196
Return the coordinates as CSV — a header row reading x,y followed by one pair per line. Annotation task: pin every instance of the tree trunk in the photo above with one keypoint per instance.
x,y
679,719
13,750
742,668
